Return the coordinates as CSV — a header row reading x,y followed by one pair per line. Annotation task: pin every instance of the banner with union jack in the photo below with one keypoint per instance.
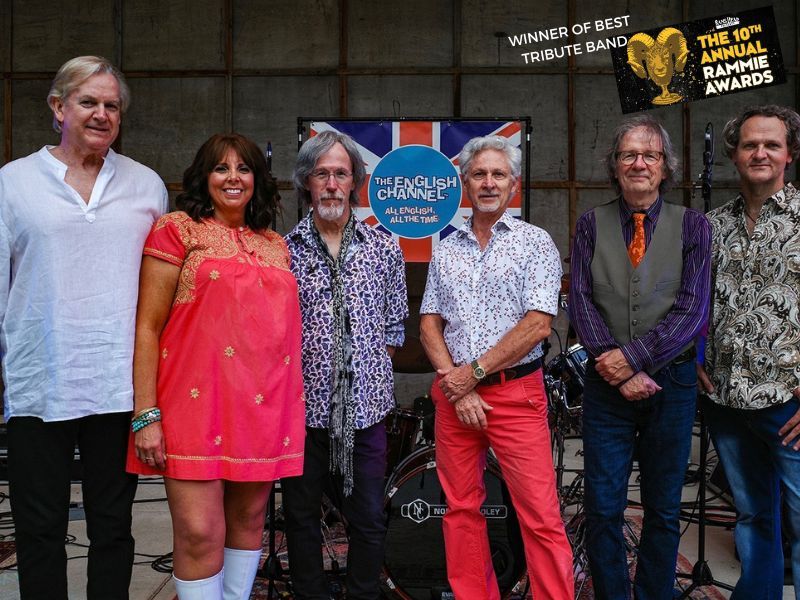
x,y
413,188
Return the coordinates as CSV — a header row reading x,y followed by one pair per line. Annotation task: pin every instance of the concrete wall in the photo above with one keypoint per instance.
x,y
200,66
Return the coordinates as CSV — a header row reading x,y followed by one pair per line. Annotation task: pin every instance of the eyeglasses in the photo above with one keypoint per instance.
x,y
322,176
650,158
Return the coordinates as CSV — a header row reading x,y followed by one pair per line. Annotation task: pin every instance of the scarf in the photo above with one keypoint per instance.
x,y
341,420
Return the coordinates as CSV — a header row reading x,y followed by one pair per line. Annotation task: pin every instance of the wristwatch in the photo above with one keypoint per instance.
x,y
478,372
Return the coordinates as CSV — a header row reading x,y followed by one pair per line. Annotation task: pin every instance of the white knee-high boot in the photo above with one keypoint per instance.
x,y
240,568
200,589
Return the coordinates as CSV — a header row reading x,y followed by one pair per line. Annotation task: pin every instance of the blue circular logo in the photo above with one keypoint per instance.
x,y
415,191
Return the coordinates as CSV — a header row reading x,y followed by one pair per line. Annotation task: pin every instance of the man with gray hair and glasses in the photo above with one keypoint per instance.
x,y
353,302
638,297
752,363
491,295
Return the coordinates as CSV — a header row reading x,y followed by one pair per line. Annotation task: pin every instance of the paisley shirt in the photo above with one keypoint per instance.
x,y
377,305
753,348
482,294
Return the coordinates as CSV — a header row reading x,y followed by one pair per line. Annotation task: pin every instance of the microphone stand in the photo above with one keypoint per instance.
x,y
701,575
272,569
708,166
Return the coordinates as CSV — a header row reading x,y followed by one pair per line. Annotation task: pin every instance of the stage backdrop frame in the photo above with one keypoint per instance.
x,y
417,156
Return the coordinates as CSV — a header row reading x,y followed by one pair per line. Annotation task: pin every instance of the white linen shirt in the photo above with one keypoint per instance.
x,y
69,275
482,294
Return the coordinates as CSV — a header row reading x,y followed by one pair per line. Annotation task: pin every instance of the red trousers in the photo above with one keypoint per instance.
x,y
519,435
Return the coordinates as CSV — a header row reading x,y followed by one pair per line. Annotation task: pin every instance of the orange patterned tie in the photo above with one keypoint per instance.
x,y
636,248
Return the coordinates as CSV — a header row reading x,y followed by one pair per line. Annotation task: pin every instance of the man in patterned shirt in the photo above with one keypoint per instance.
x,y
491,295
353,302
638,297
752,369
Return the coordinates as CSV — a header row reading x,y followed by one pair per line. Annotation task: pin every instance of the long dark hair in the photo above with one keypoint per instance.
x,y
195,200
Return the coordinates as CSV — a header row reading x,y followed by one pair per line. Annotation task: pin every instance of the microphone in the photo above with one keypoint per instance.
x,y
708,164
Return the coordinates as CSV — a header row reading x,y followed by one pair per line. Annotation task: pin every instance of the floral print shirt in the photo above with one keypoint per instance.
x,y
377,305
482,294
753,347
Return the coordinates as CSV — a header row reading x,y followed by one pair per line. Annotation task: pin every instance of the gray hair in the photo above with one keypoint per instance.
x,y
790,118
77,70
491,142
655,126
310,153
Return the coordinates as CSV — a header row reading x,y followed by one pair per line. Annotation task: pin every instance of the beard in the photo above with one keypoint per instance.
x,y
330,213
488,207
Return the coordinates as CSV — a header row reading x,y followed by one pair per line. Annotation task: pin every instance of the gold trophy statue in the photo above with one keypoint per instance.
x,y
658,56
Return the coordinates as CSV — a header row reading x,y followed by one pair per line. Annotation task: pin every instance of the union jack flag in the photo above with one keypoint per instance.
x,y
375,139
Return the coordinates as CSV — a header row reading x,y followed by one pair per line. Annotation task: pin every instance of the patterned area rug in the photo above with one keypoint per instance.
x,y
8,554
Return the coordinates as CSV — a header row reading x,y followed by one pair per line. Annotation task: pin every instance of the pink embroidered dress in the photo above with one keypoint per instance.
x,y
230,387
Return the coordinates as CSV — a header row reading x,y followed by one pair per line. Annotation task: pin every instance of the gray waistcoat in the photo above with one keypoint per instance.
x,y
633,301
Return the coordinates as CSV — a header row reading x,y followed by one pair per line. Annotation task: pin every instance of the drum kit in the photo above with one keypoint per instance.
x,y
414,563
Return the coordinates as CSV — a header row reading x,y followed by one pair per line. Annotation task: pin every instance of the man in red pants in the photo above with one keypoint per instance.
x,y
491,295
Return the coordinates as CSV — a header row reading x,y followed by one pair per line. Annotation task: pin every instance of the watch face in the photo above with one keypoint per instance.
x,y
478,371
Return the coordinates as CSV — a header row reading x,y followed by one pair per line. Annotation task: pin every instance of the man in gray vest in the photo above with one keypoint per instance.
x,y
638,296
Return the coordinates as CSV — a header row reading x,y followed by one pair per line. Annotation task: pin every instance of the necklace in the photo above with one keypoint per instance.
x,y
752,220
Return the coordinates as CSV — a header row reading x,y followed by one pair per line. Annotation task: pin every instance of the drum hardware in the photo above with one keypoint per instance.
x,y
564,377
424,406
273,569
407,430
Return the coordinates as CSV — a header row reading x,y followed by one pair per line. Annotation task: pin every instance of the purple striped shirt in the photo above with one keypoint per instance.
x,y
681,324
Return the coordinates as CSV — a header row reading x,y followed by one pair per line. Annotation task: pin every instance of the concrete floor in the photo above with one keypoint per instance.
x,y
152,530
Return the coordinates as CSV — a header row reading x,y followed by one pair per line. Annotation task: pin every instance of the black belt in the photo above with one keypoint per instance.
x,y
512,373
685,356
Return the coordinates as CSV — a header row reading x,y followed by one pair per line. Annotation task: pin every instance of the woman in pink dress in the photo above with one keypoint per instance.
x,y
219,407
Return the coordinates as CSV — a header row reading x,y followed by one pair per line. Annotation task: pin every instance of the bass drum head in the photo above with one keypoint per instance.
x,y
414,564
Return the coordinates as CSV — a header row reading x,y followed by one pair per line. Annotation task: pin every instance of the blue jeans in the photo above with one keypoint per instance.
x,y
660,429
755,463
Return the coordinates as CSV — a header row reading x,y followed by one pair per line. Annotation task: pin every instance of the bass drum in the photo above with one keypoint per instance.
x,y
414,564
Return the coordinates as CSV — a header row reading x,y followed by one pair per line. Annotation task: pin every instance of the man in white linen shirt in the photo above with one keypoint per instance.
x,y
491,295
73,220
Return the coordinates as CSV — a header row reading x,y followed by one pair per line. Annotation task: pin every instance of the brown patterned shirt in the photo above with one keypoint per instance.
x,y
753,348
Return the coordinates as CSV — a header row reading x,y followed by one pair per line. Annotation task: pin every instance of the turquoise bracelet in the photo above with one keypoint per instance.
x,y
146,418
